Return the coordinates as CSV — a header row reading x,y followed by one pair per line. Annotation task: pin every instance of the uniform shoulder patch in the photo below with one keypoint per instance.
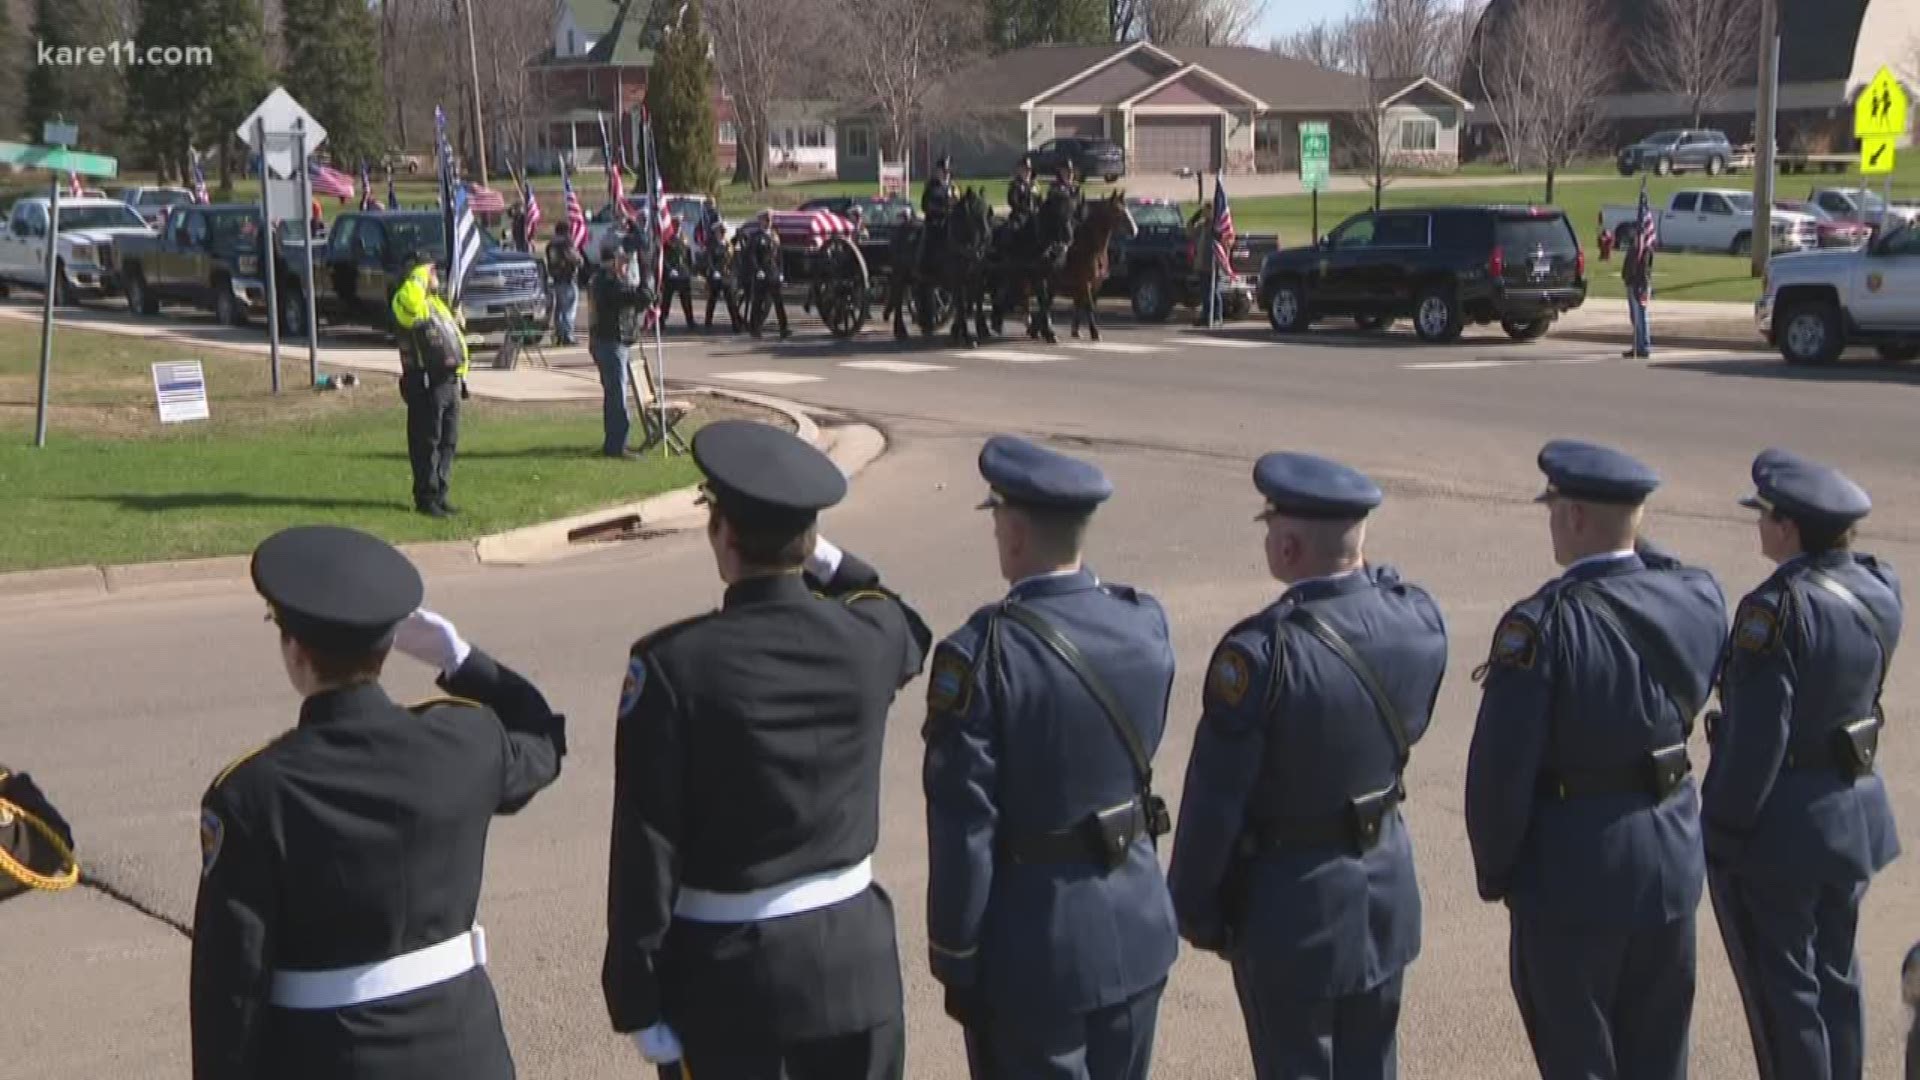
x,y
426,705
1516,642
950,683
635,682
212,831
1229,675
1756,627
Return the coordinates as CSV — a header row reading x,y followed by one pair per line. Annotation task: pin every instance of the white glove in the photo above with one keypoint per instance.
x,y
658,1044
825,560
429,638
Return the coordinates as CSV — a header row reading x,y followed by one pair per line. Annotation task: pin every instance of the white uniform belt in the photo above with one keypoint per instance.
x,y
357,985
787,898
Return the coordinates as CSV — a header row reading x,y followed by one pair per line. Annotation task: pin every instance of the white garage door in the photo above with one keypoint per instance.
x,y
1162,144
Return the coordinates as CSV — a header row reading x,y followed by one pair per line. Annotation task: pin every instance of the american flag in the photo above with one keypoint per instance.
x,y
73,186
616,185
199,179
532,212
457,215
367,201
1643,220
576,217
661,218
328,180
485,200
1223,235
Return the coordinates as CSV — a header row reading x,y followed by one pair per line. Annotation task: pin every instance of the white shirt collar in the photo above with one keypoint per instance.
x,y
1048,574
1605,556
1292,585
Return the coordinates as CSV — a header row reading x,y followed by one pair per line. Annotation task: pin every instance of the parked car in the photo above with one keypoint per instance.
x,y
401,161
1715,220
1667,152
688,210
1157,268
362,259
1833,232
1441,266
152,203
206,256
83,254
1863,205
1090,157
1817,303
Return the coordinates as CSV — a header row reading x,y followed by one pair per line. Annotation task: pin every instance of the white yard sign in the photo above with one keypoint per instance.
x,y
181,389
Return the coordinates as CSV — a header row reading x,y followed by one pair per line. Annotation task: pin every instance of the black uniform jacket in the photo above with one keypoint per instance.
x,y
748,755
355,837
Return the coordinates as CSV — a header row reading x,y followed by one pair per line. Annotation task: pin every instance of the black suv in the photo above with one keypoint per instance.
x,y
1665,152
1442,266
1090,157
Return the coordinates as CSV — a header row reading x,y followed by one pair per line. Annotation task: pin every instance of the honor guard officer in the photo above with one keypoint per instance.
x,y
36,843
1292,860
1797,820
1580,810
766,276
334,936
1023,201
745,933
1048,918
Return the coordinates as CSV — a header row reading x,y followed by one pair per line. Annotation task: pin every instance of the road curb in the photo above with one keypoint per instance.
x,y
1680,340
542,542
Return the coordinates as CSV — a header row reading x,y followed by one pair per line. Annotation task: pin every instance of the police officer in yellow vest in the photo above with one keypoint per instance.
x,y
433,370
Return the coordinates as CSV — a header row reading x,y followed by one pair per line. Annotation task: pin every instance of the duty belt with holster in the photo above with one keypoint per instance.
x,y
1359,826
1103,837
1849,748
1664,769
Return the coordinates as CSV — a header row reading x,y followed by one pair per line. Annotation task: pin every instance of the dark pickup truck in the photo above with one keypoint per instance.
x,y
362,259
207,256
1156,268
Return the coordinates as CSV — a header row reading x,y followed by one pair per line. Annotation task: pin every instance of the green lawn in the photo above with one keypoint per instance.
x,y
112,486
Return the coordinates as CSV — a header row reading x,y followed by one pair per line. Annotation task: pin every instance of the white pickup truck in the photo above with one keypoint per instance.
x,y
84,256
1716,220
1817,303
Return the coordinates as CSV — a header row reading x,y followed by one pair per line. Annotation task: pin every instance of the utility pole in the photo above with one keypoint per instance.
x,y
1765,125
473,78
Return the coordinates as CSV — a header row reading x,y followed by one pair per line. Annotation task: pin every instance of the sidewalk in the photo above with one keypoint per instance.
x,y
1692,324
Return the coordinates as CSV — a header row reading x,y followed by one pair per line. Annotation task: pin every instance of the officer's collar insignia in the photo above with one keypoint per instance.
x,y
947,685
1755,628
635,682
1515,643
212,830
1230,676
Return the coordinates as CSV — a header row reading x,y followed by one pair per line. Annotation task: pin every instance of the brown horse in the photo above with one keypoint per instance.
x,y
1085,270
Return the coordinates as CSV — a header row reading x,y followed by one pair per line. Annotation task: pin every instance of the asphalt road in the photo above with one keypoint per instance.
x,y
125,706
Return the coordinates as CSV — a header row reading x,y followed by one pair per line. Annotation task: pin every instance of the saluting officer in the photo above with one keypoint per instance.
x,y
1048,918
334,934
1581,813
1292,860
1797,819
746,935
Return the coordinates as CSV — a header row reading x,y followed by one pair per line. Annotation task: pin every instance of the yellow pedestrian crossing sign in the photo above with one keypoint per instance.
x,y
1881,108
1876,155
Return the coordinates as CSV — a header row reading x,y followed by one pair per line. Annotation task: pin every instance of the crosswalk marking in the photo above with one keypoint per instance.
x,y
897,367
1113,347
767,378
1461,365
1219,342
1011,356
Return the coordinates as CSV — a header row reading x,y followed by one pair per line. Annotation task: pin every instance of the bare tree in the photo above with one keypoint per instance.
x,y
1200,22
1694,48
909,48
763,51
507,86
1550,60
1328,44
1912,63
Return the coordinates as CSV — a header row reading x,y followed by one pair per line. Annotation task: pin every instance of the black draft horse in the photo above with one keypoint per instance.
x,y
958,270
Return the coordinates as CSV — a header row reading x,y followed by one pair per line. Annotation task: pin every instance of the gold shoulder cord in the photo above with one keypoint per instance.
x,y
25,874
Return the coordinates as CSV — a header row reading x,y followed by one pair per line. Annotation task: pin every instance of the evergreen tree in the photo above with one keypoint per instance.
x,y
680,94
333,69
47,92
184,106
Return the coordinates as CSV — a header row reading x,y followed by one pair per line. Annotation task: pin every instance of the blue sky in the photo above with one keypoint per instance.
x,y
1284,16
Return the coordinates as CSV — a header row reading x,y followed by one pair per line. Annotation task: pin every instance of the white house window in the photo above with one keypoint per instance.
x,y
857,146
812,137
728,133
1419,134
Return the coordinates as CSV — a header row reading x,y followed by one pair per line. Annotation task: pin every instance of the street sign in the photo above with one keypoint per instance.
x,y
279,112
1876,155
1316,152
181,390
55,133
47,157
1881,109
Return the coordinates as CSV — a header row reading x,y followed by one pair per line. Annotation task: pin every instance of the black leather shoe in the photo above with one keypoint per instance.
x,y
431,511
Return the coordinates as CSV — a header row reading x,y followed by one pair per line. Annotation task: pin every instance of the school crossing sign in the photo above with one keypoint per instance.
x,y
1879,117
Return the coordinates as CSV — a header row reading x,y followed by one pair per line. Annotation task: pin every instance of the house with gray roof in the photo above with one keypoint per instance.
x,y
1172,108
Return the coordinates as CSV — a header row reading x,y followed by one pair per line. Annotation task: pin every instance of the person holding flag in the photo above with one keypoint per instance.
x,y
529,215
393,198
1212,250
1636,270
367,201
199,180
